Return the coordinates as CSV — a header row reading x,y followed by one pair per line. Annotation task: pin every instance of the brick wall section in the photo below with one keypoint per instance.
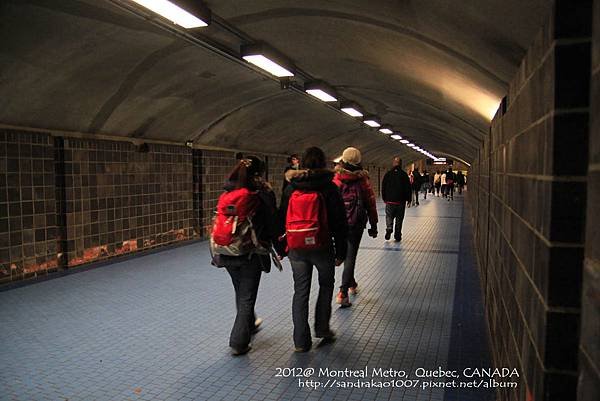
x,y
589,356
120,199
27,205
528,186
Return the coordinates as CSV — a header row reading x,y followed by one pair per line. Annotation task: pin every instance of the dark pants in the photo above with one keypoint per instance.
x,y
394,212
450,191
416,196
245,282
354,237
302,268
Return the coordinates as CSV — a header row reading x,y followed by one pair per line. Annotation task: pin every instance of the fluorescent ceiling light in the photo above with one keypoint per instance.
x,y
190,15
352,111
404,141
351,108
396,136
372,121
411,145
321,95
268,65
320,90
386,131
267,59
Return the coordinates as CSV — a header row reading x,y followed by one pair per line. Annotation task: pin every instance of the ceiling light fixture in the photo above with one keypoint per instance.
x,y
267,59
395,136
372,121
386,129
320,90
404,141
188,14
351,108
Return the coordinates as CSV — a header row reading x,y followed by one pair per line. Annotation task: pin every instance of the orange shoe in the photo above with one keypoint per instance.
x,y
343,300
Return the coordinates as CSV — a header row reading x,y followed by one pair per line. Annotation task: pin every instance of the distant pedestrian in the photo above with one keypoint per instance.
x,y
241,238
460,181
437,182
396,193
450,181
361,207
293,164
313,216
416,186
444,186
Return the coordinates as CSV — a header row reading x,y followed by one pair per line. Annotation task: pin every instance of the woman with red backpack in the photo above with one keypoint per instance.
x,y
313,218
241,239
360,206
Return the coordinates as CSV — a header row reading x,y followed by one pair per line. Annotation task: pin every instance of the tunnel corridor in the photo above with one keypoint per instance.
x,y
119,123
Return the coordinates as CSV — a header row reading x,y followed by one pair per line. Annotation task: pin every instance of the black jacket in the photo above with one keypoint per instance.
x,y
265,226
320,181
417,181
395,186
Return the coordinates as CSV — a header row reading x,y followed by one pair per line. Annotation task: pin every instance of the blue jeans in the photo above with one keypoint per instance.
x,y
245,282
302,268
348,280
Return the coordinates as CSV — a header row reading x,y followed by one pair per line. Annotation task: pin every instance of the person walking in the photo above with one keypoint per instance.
x,y
248,204
293,164
460,181
312,213
425,183
450,180
444,185
360,204
416,186
437,182
396,193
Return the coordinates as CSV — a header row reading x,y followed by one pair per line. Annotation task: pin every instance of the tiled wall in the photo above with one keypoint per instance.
x,y
216,165
121,198
67,201
276,165
589,355
529,191
27,205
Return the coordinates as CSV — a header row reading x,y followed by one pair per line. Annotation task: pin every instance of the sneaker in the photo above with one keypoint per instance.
x,y
240,351
302,349
342,299
353,290
398,239
388,235
257,324
328,335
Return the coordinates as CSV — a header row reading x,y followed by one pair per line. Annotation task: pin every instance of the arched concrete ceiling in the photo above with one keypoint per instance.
x,y
434,69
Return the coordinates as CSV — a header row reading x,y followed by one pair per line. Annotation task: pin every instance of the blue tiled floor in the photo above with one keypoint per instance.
x,y
157,327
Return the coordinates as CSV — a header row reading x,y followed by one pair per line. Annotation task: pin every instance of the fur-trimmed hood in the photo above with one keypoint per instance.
x,y
346,175
309,179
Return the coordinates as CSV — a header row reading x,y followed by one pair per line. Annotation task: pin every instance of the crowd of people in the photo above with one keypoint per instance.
x,y
319,224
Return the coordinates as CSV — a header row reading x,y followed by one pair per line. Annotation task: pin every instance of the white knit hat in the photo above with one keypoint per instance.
x,y
351,156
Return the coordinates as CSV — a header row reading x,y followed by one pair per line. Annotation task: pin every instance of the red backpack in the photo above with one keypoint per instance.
x,y
232,233
306,221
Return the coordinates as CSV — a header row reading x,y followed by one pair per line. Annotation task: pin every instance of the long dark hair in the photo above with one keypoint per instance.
x,y
247,173
313,158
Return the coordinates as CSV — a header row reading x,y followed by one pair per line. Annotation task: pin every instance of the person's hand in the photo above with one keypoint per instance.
x,y
339,262
280,257
372,232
